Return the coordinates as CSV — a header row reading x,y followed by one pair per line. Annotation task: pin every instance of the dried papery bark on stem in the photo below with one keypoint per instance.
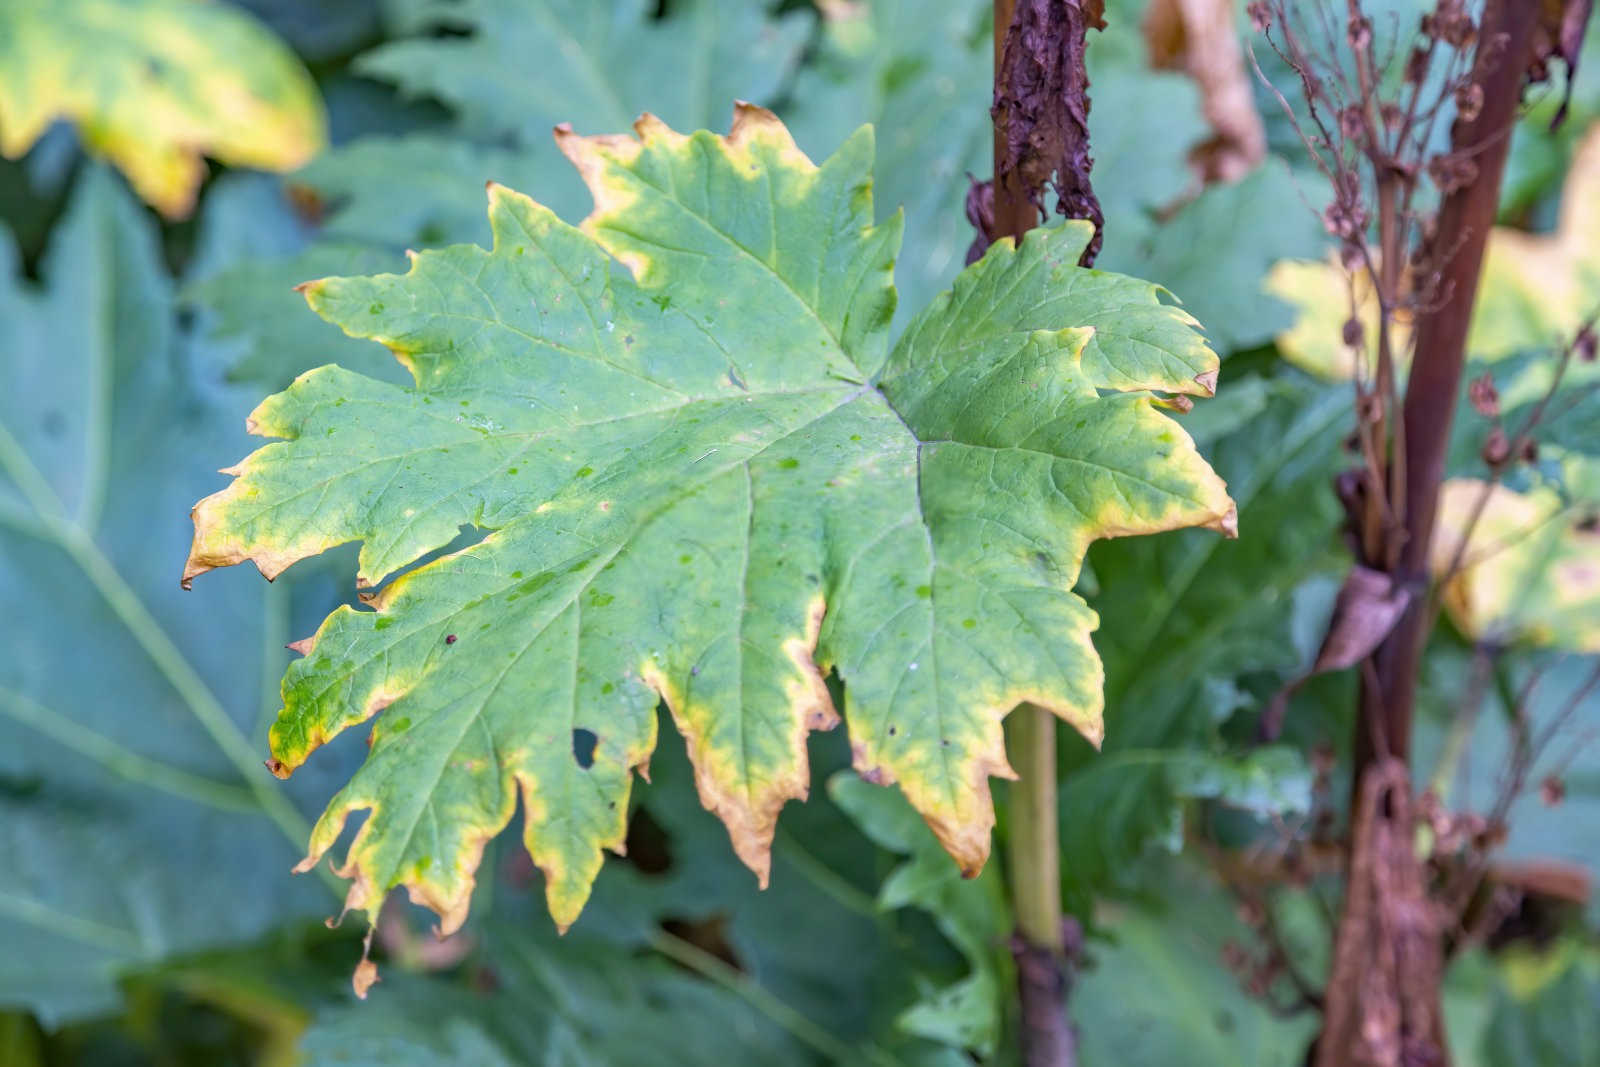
x,y
1041,121
1388,957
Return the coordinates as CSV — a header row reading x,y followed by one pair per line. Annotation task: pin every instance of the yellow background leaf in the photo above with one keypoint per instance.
x,y
1531,569
154,85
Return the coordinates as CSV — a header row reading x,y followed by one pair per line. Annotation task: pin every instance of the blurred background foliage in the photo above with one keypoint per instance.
x,y
146,908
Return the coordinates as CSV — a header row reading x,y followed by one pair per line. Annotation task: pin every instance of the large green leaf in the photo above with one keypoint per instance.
x,y
155,85
1195,629
1159,995
788,940
1547,1011
1219,249
135,818
707,482
589,1004
1526,565
971,913
1469,754
524,65
376,198
524,68
919,72
1537,288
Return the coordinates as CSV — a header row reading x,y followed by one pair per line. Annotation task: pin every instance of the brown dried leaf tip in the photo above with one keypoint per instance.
x,y
1041,108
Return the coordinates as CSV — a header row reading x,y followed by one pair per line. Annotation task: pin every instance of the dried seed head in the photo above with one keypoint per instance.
x,y
1452,171
1552,791
1359,33
1311,86
1450,23
1460,32
1354,332
1431,813
1260,16
1346,217
1323,760
1350,122
1417,66
1585,344
1484,396
1496,449
1469,101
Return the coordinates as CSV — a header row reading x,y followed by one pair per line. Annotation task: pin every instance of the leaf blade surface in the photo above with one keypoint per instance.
x,y
706,482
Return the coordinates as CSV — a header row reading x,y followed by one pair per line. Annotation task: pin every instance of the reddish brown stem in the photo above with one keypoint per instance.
x,y
1465,218
1384,992
1014,212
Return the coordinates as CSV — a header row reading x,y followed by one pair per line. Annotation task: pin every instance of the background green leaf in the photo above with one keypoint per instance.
x,y
137,822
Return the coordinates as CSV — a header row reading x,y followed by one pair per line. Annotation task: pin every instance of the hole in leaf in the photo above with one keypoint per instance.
x,y
583,742
649,847
709,935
